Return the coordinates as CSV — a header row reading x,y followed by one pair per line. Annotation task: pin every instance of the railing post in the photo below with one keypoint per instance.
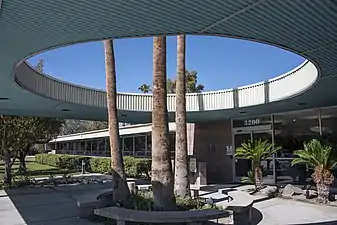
x,y
266,91
236,97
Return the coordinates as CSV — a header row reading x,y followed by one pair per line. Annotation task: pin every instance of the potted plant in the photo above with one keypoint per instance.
x,y
323,159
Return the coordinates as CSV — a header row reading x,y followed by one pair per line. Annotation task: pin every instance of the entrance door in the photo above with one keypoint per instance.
x,y
242,166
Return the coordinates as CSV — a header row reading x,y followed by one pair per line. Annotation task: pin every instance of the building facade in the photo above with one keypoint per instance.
x,y
214,143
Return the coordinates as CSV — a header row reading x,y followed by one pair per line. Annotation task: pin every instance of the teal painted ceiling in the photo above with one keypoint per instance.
x,y
306,27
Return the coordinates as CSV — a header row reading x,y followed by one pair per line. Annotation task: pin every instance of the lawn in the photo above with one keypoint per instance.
x,y
35,169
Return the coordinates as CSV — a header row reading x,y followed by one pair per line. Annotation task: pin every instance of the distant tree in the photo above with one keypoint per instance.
x,y
192,85
40,66
80,126
19,134
145,88
36,131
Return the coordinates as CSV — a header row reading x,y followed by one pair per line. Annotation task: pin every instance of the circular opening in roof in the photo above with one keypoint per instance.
x,y
220,63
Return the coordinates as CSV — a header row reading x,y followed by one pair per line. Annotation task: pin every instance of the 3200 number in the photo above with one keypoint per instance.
x,y
252,122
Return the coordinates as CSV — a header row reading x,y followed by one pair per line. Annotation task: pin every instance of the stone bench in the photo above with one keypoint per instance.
x,y
121,215
87,202
241,204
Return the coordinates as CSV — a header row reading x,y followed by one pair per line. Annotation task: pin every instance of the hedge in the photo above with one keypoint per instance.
x,y
62,161
134,167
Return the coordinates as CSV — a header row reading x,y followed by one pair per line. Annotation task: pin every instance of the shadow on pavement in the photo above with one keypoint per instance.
x,y
44,205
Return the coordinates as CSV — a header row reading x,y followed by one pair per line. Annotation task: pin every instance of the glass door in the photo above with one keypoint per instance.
x,y
267,165
243,166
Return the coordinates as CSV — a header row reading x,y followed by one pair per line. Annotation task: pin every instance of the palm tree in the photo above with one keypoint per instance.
x,y
257,151
181,185
120,188
323,159
162,175
145,88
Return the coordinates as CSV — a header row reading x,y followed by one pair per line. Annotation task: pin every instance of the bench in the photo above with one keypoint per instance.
x,y
121,215
87,202
241,204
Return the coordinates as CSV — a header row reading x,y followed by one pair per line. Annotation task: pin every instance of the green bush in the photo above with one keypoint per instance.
x,y
70,162
100,165
134,167
47,159
144,201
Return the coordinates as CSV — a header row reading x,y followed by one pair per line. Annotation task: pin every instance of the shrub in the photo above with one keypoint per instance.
x,y
100,165
47,159
144,201
134,167
70,162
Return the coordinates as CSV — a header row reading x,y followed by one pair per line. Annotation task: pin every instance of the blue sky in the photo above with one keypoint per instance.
x,y
220,62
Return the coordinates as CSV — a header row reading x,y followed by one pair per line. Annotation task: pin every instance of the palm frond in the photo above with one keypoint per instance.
x,y
256,150
316,153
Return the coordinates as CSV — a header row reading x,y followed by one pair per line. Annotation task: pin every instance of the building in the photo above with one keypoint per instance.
x,y
214,143
287,109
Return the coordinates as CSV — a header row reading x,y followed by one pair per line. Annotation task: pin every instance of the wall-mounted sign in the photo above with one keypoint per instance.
x,y
193,165
229,150
249,122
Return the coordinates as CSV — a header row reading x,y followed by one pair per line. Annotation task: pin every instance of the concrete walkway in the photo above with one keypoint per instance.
x,y
57,205
283,211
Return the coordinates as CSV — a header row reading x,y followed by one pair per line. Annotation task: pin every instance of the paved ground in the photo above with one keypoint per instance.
x,y
282,211
54,206
42,206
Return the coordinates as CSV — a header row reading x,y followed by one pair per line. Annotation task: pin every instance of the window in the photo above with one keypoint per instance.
x,y
292,129
128,146
148,145
140,146
101,146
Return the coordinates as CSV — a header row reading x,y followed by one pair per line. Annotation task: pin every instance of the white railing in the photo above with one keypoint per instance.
x,y
287,85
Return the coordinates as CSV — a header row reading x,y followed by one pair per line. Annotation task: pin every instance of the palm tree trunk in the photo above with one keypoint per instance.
x,y
182,186
323,192
120,188
162,176
258,177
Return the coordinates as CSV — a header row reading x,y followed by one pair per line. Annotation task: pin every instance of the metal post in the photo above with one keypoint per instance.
x,y
273,142
320,122
83,167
